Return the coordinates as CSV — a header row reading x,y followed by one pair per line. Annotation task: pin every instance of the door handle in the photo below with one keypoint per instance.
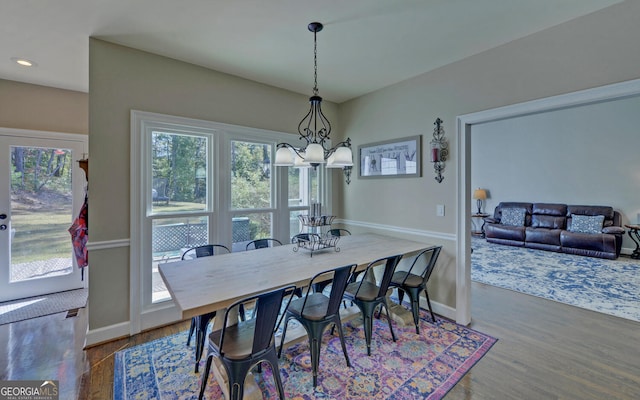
x,y
3,227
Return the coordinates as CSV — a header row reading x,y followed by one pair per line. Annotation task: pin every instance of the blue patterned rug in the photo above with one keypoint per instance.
x,y
607,286
415,367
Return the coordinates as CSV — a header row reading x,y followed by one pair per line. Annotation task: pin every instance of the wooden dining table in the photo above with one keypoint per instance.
x,y
212,283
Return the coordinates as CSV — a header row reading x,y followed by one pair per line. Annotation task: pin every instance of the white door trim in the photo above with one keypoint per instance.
x,y
464,125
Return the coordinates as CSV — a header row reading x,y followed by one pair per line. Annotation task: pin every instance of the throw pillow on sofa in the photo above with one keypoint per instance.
x,y
513,216
586,223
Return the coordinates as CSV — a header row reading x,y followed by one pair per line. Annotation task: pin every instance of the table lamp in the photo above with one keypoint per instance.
x,y
480,194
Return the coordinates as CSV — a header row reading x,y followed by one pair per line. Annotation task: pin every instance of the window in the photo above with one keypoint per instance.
x,y
251,192
203,182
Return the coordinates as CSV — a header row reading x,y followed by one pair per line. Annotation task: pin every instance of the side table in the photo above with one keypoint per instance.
x,y
635,236
474,225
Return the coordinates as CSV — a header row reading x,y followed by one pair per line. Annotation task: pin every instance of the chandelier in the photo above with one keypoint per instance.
x,y
314,130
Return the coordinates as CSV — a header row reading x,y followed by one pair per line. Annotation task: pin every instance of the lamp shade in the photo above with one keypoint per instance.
x,y
331,162
314,154
284,157
480,194
300,161
343,157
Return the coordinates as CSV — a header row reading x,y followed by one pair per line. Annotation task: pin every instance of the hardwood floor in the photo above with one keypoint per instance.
x,y
546,350
549,350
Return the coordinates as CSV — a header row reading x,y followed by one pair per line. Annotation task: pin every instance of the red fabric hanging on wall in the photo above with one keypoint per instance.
x,y
80,234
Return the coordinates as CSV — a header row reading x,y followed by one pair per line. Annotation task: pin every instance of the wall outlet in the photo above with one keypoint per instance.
x,y
440,210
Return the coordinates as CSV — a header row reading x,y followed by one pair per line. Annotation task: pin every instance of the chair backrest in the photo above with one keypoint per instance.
x,y
265,322
305,237
390,264
205,251
339,278
263,243
430,256
339,232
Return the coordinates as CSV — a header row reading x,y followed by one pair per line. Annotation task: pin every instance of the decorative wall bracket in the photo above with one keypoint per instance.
x,y
439,150
347,174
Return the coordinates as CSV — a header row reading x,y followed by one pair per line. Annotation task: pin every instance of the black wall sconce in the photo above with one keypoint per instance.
x,y
439,150
347,174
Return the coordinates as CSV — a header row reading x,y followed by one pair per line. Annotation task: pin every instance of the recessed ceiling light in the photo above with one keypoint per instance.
x,y
24,62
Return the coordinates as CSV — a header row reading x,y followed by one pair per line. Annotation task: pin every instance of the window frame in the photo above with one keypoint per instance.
x,y
144,314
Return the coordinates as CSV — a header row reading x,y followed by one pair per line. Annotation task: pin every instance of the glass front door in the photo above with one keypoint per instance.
x,y
41,193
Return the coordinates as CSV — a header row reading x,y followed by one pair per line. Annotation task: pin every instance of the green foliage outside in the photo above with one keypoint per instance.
x,y
41,189
180,163
41,200
40,235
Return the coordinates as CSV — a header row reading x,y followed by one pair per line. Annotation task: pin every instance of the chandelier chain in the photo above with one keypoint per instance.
x,y
315,64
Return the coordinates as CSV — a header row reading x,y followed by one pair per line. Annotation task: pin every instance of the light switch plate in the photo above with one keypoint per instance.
x,y
440,210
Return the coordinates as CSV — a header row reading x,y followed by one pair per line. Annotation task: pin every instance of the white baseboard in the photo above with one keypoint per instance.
x,y
441,309
106,334
626,251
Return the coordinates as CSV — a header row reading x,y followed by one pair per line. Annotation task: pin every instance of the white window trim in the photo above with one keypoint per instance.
x,y
147,316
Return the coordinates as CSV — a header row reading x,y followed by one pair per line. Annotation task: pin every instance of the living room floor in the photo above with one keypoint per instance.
x,y
545,350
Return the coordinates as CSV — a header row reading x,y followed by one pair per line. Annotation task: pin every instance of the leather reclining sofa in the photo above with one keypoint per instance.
x,y
547,226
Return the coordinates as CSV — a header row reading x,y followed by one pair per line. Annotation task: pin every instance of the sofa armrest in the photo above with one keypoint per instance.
x,y
491,220
614,230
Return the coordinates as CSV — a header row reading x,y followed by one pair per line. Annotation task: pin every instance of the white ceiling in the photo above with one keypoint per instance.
x,y
365,44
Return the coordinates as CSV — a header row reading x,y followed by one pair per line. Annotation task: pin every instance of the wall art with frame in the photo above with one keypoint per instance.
x,y
396,158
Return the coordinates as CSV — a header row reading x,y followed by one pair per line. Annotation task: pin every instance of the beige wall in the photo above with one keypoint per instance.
x,y
122,79
595,50
568,158
33,107
591,51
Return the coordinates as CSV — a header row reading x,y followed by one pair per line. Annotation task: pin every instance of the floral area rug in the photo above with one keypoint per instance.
x,y
424,366
607,286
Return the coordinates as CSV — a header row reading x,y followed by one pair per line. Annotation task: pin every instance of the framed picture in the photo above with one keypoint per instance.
x,y
397,158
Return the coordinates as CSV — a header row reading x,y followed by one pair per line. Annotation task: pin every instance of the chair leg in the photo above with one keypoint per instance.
x,y
314,332
338,323
400,295
270,357
386,311
284,332
236,373
202,322
433,317
205,376
367,309
192,328
200,339
414,297
314,346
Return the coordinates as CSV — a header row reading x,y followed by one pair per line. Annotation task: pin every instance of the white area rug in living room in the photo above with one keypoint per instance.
x,y
607,286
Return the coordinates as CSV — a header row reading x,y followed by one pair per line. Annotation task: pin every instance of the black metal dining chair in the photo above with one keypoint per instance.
x,y
315,311
262,243
247,344
338,232
414,281
199,323
305,237
205,251
367,294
